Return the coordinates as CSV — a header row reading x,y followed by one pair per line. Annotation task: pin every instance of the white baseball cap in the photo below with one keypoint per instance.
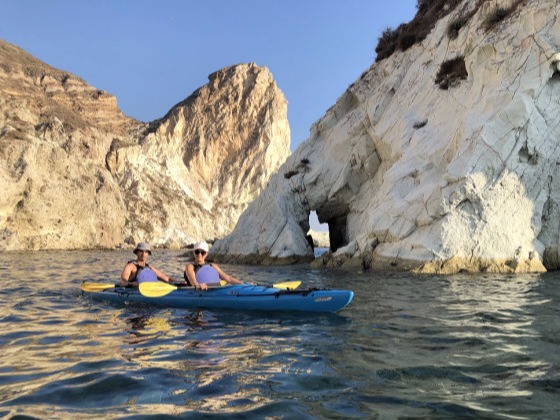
x,y
201,245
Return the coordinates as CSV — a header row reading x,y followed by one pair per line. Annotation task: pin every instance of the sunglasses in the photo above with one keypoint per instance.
x,y
199,251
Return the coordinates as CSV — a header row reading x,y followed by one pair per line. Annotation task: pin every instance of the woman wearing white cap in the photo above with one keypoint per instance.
x,y
139,271
201,275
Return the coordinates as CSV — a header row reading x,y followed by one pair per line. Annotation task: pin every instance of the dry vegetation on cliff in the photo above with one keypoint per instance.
x,y
429,13
451,72
408,34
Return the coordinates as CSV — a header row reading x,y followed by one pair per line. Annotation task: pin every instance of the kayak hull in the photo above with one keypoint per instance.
x,y
238,297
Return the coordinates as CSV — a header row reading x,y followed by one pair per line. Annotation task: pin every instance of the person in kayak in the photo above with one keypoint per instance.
x,y
139,271
200,274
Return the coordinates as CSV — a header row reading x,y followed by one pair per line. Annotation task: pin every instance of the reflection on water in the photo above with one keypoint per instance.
x,y
493,332
408,346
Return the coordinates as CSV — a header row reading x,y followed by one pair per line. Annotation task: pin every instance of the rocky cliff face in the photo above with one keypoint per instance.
x,y
76,173
439,159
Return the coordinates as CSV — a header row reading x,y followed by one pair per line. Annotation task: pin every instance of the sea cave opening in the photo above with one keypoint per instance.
x,y
318,234
338,232
332,220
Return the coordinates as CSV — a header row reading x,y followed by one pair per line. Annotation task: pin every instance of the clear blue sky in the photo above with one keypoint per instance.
x,y
152,54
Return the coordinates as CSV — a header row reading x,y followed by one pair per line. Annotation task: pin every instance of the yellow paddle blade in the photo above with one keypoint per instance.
x,y
223,283
288,285
96,287
156,289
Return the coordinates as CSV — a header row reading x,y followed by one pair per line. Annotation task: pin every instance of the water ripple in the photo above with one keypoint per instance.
x,y
409,346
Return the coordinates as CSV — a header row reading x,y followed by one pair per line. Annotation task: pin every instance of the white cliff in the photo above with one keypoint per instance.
x,y
207,159
76,173
441,177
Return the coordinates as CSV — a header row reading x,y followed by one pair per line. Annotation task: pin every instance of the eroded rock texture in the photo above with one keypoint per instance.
x,y
438,159
76,173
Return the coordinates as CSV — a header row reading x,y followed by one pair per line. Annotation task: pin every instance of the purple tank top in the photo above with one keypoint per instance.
x,y
207,274
146,275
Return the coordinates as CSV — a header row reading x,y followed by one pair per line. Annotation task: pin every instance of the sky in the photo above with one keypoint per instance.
x,y
152,54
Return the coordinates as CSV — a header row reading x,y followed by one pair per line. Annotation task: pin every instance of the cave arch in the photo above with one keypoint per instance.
x,y
336,217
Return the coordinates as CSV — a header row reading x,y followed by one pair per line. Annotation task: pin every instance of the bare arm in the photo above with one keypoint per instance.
x,y
226,277
191,277
160,275
129,272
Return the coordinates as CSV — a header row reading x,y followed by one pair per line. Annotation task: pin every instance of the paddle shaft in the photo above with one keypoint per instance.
x,y
157,289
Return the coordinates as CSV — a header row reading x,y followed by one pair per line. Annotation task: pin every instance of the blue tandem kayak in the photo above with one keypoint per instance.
x,y
242,296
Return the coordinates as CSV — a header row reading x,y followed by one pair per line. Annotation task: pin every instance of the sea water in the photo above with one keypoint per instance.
x,y
408,346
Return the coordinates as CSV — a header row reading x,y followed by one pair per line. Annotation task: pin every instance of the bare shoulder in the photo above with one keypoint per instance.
x,y
130,265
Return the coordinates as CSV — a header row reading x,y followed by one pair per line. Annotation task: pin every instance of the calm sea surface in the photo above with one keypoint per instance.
x,y
484,346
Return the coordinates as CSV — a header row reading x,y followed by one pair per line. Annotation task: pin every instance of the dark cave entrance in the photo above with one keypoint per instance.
x,y
338,232
336,226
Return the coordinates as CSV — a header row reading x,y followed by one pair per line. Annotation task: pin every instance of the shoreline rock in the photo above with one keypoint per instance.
x,y
414,174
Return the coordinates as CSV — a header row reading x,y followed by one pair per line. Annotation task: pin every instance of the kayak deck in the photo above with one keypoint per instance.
x,y
239,297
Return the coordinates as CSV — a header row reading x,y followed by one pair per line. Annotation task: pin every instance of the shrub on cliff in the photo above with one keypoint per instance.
x,y
456,25
428,14
451,72
406,35
500,14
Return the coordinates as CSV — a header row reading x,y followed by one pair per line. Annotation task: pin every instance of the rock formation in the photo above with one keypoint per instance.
x,y
76,173
438,159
